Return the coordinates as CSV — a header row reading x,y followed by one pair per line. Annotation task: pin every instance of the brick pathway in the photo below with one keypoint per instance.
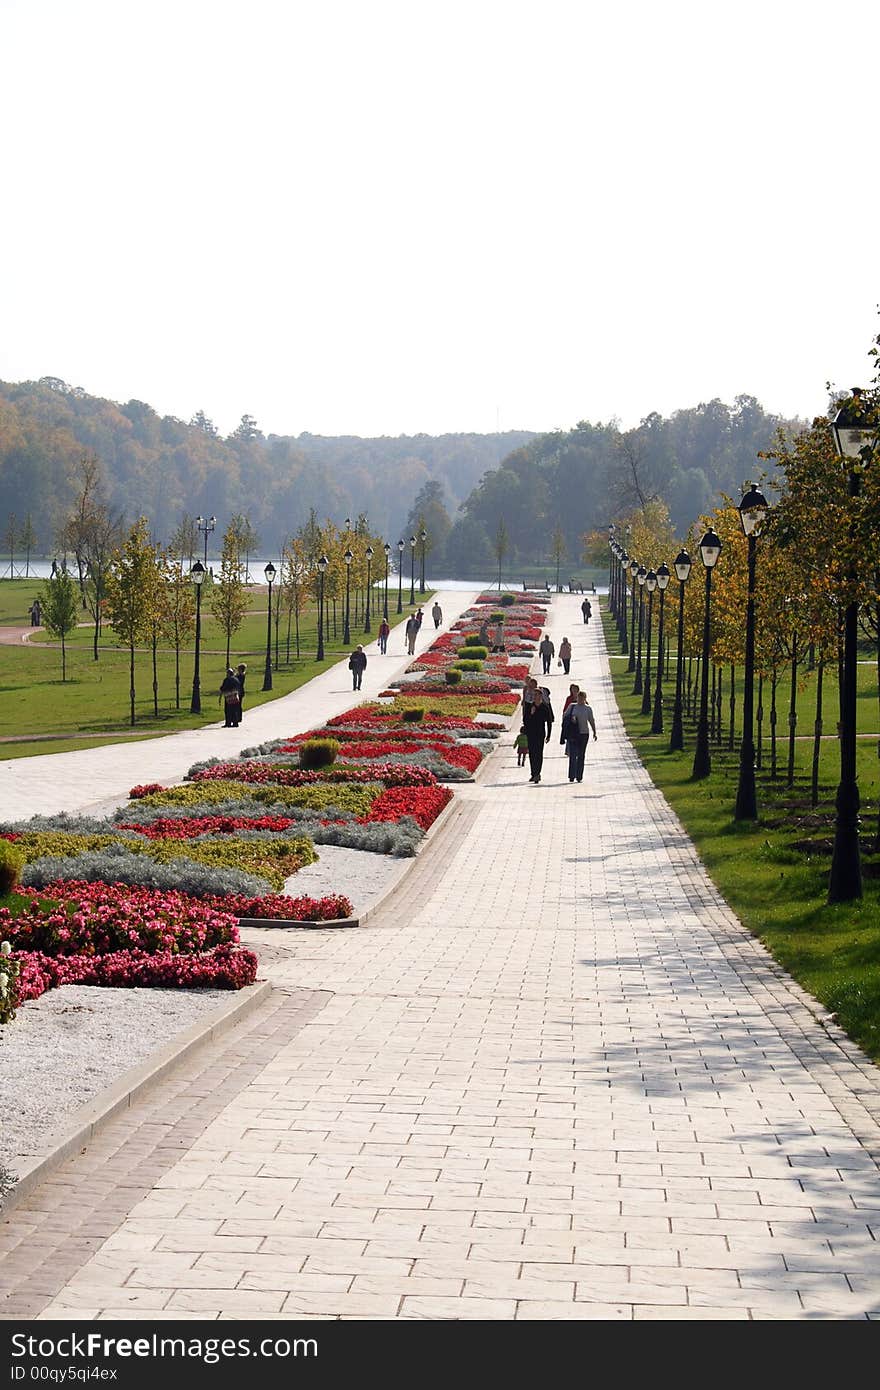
x,y
553,1079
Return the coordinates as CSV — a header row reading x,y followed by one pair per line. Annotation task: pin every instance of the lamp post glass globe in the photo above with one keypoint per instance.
x,y
710,549
682,564
853,433
753,511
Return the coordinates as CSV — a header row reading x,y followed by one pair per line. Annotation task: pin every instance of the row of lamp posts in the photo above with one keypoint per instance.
x,y
855,441
199,570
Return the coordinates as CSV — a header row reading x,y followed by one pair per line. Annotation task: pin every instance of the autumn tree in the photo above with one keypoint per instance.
x,y
558,550
229,597
500,546
27,540
132,596
59,607
179,616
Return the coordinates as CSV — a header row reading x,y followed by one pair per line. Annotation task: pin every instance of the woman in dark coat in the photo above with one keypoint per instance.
x,y
230,694
538,720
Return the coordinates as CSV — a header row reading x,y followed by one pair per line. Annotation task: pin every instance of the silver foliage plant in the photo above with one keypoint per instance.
x,y
116,864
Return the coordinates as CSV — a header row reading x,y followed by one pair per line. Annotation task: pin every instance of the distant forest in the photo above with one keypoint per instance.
x,y
462,485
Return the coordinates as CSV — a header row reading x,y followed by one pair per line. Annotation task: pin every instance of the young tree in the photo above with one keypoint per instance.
x,y
132,594
60,611
73,535
10,536
27,540
101,538
184,539
248,541
500,546
229,598
557,550
294,570
179,620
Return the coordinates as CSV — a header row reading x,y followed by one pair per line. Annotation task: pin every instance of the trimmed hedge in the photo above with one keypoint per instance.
x,y
453,677
318,752
474,652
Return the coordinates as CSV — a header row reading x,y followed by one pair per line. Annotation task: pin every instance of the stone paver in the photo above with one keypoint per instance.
x,y
552,1078
93,777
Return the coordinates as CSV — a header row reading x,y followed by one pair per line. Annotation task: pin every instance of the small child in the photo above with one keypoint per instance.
x,y
522,747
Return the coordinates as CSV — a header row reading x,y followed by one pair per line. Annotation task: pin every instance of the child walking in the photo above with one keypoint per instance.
x,y
521,745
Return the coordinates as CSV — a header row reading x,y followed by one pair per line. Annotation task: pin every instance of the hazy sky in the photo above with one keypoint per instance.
x,y
387,216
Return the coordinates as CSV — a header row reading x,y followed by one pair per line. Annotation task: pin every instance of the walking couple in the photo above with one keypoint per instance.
x,y
577,721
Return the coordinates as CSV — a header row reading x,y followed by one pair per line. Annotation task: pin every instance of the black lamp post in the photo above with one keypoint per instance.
x,y
423,537
663,577
641,576
387,549
205,526
650,585
400,548
634,570
611,530
623,585
855,440
322,570
682,566
269,572
368,627
197,575
412,570
752,513
710,550
348,556
613,568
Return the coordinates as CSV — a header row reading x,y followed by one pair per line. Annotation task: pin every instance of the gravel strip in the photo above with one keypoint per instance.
x,y
361,876
66,1047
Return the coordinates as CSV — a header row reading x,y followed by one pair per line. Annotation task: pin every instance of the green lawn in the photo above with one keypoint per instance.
x,y
94,699
774,874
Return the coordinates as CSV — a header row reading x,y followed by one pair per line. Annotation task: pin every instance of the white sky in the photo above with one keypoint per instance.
x,y
387,216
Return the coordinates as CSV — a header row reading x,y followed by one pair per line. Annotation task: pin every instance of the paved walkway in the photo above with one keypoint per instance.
x,y
95,777
552,1079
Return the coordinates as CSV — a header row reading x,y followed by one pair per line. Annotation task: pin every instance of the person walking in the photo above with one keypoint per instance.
x,y
576,726
538,723
411,632
521,744
384,631
230,694
565,654
587,610
498,636
419,617
241,674
528,694
571,697
547,652
437,614
357,664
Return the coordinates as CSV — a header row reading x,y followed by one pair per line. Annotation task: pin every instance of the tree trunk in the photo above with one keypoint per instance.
x,y
731,733
289,621
773,682
792,710
97,631
155,678
131,678
817,733
296,619
759,721
228,646
176,664
63,659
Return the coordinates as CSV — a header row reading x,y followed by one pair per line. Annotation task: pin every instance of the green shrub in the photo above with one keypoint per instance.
x,y
453,676
473,640
496,617
467,666
318,752
506,600
413,716
473,653
12,862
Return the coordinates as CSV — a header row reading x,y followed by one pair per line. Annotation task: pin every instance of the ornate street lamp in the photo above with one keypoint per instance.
x,y
269,572
400,549
348,556
412,570
423,536
611,530
622,584
663,577
634,570
752,514
855,436
206,527
369,554
322,570
387,549
682,566
641,576
710,552
650,585
197,575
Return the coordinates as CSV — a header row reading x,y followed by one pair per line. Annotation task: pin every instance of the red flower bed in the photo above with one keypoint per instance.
x,y
144,789
392,774
290,909
172,828
424,804
225,967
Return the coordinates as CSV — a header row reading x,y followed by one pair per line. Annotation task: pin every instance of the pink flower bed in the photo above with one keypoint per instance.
x,y
277,905
224,967
144,789
97,919
178,828
392,774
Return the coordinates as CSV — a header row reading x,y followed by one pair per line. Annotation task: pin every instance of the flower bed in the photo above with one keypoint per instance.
x,y
279,906
225,967
424,804
75,918
264,773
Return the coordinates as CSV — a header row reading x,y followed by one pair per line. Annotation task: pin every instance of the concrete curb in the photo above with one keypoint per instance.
x,y
276,923
89,1119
